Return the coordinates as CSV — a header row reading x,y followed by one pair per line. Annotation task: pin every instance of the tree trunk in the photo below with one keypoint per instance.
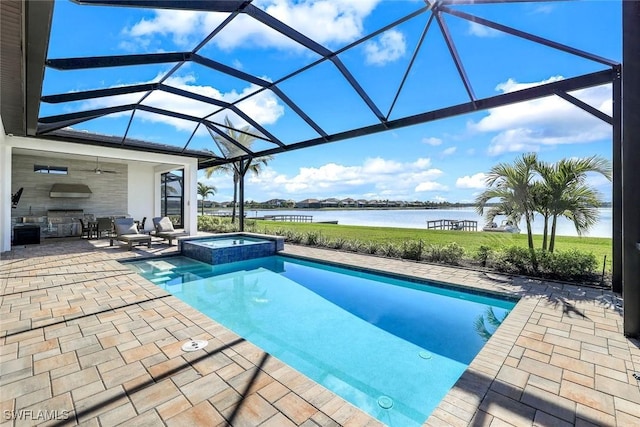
x,y
552,241
529,232
532,251
235,197
545,232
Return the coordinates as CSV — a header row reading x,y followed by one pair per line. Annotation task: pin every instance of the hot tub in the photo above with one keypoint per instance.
x,y
231,247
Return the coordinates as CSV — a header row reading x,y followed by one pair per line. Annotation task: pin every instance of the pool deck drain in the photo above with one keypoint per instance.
x,y
194,345
80,333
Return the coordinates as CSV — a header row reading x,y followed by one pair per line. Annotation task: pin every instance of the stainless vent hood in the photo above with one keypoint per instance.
x,y
75,191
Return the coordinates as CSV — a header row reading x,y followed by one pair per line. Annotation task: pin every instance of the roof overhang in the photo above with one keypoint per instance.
x,y
24,31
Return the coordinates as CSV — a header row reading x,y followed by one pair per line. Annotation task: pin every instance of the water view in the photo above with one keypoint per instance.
x,y
417,218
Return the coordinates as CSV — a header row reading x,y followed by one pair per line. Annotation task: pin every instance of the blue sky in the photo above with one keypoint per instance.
x,y
437,161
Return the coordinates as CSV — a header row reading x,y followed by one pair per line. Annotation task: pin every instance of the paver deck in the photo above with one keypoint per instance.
x,y
86,341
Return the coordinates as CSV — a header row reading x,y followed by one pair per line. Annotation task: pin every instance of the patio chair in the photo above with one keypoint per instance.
x,y
85,229
164,229
104,225
140,224
127,232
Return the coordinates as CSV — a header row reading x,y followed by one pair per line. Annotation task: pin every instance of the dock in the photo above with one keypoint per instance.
x,y
288,218
452,224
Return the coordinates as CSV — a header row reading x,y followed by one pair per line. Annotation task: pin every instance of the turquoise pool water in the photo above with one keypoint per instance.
x,y
374,340
227,242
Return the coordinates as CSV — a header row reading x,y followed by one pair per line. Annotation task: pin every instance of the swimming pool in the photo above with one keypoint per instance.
x,y
392,347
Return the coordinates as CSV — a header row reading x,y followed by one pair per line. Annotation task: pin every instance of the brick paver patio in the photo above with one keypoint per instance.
x,y
86,341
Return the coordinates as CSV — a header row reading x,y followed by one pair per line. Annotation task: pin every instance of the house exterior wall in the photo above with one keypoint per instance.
x,y
5,192
141,193
109,189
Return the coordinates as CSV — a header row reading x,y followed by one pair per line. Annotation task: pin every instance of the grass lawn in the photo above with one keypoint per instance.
x,y
470,241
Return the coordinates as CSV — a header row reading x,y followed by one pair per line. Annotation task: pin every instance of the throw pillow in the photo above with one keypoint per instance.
x,y
126,229
165,225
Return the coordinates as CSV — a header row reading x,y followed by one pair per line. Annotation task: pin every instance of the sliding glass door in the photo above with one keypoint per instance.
x,y
172,197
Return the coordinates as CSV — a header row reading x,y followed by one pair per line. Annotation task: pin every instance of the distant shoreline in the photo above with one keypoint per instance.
x,y
422,208
413,217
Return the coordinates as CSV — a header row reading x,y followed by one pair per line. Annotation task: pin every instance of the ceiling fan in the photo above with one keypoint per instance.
x,y
97,170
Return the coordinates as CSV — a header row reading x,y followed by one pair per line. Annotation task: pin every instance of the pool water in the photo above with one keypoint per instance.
x,y
227,242
393,348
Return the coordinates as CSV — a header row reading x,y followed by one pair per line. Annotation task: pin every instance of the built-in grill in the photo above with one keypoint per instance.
x,y
64,222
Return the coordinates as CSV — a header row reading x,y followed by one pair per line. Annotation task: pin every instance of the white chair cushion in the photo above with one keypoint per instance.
x,y
125,228
165,225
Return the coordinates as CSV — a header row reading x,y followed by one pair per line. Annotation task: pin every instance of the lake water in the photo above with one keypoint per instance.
x,y
417,218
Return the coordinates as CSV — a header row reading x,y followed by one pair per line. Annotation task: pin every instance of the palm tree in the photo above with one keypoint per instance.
x,y
245,139
511,185
488,317
542,201
567,193
205,191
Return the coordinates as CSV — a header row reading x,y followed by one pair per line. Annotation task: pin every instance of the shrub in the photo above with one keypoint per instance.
x,y
276,232
215,224
313,238
483,254
412,249
568,265
294,237
370,247
207,223
451,253
512,259
353,245
390,250
572,265
338,243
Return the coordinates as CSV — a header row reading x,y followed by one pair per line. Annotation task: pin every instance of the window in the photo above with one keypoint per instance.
x,y
56,170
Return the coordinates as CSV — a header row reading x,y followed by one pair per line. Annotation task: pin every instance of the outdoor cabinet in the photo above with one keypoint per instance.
x,y
26,235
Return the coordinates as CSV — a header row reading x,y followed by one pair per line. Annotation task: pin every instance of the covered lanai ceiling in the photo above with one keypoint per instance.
x,y
198,86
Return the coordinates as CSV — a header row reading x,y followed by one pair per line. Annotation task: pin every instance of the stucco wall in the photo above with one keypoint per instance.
x,y
141,189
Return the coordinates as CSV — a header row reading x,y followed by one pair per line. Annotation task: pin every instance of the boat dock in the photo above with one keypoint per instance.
x,y
452,224
288,218
293,218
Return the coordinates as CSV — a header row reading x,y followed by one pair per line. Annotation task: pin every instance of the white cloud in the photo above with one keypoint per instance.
x,y
264,107
429,186
449,151
480,30
473,181
388,48
432,141
326,21
550,121
383,177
